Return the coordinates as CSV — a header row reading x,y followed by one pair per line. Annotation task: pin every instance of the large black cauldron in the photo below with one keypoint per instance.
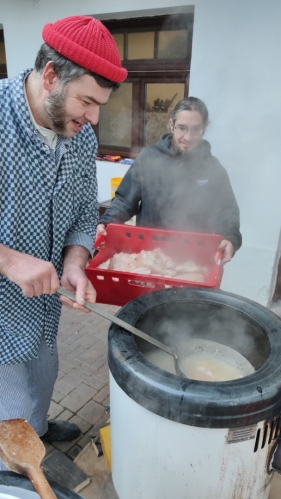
x,y
172,315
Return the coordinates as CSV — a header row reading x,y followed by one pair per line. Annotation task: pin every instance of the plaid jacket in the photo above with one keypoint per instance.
x,y
47,201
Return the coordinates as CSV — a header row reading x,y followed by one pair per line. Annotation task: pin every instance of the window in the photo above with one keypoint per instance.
x,y
156,51
3,67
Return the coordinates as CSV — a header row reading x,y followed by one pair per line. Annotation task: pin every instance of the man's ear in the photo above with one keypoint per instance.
x,y
49,77
171,124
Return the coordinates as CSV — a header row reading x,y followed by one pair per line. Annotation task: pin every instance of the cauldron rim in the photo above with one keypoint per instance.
x,y
189,401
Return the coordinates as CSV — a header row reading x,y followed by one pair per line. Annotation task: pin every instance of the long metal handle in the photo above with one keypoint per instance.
x,y
119,322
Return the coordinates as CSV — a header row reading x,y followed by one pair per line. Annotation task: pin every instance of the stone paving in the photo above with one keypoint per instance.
x,y
81,391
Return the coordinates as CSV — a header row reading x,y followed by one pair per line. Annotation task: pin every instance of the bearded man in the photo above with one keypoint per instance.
x,y
177,184
48,206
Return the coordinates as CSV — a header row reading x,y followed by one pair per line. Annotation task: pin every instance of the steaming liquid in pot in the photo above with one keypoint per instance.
x,y
202,366
205,366
161,359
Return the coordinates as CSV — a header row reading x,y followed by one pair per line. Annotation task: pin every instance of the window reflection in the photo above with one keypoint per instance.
x,y
119,40
160,99
141,45
2,53
172,44
115,122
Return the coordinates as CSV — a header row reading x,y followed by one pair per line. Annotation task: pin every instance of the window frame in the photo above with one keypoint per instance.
x,y
143,71
3,67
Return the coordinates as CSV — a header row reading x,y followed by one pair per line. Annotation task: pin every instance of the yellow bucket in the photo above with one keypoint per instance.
x,y
114,182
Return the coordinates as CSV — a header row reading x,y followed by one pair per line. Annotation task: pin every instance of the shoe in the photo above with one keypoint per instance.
x,y
60,431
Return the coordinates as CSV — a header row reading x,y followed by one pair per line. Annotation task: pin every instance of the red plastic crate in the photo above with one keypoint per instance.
x,y
116,287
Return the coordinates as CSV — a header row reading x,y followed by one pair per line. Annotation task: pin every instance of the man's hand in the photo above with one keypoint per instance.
x,y
227,248
101,231
82,287
74,278
34,276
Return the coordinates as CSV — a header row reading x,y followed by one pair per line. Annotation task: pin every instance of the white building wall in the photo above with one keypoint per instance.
x,y
236,70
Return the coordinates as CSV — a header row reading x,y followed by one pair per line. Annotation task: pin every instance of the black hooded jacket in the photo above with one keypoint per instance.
x,y
189,193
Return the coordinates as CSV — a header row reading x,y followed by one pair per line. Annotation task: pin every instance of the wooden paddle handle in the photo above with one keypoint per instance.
x,y
40,483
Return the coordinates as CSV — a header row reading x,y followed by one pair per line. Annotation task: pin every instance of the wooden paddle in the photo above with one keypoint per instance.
x,y
22,451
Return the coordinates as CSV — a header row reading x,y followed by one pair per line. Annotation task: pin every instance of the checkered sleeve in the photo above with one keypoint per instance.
x,y
83,228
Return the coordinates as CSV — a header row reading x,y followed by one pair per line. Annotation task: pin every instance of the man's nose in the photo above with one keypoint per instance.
x,y
92,115
187,134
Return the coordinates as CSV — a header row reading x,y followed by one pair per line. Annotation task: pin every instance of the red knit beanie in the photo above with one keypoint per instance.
x,y
87,42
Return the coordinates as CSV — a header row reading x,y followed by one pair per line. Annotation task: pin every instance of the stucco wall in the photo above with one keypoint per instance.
x,y
236,71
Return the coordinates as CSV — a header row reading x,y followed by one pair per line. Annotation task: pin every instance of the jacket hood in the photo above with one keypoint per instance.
x,y
202,150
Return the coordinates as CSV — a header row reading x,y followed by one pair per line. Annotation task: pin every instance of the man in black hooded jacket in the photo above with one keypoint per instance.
x,y
177,184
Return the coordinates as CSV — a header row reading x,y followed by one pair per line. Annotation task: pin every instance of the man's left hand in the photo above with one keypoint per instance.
x,y
74,278
83,289
227,250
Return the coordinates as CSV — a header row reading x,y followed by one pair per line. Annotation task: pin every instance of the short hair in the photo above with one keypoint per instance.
x,y
191,104
67,70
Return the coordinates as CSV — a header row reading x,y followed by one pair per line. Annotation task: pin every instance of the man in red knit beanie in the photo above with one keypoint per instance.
x,y
49,207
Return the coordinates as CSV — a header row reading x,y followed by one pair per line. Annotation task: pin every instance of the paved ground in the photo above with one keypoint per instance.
x,y
82,393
